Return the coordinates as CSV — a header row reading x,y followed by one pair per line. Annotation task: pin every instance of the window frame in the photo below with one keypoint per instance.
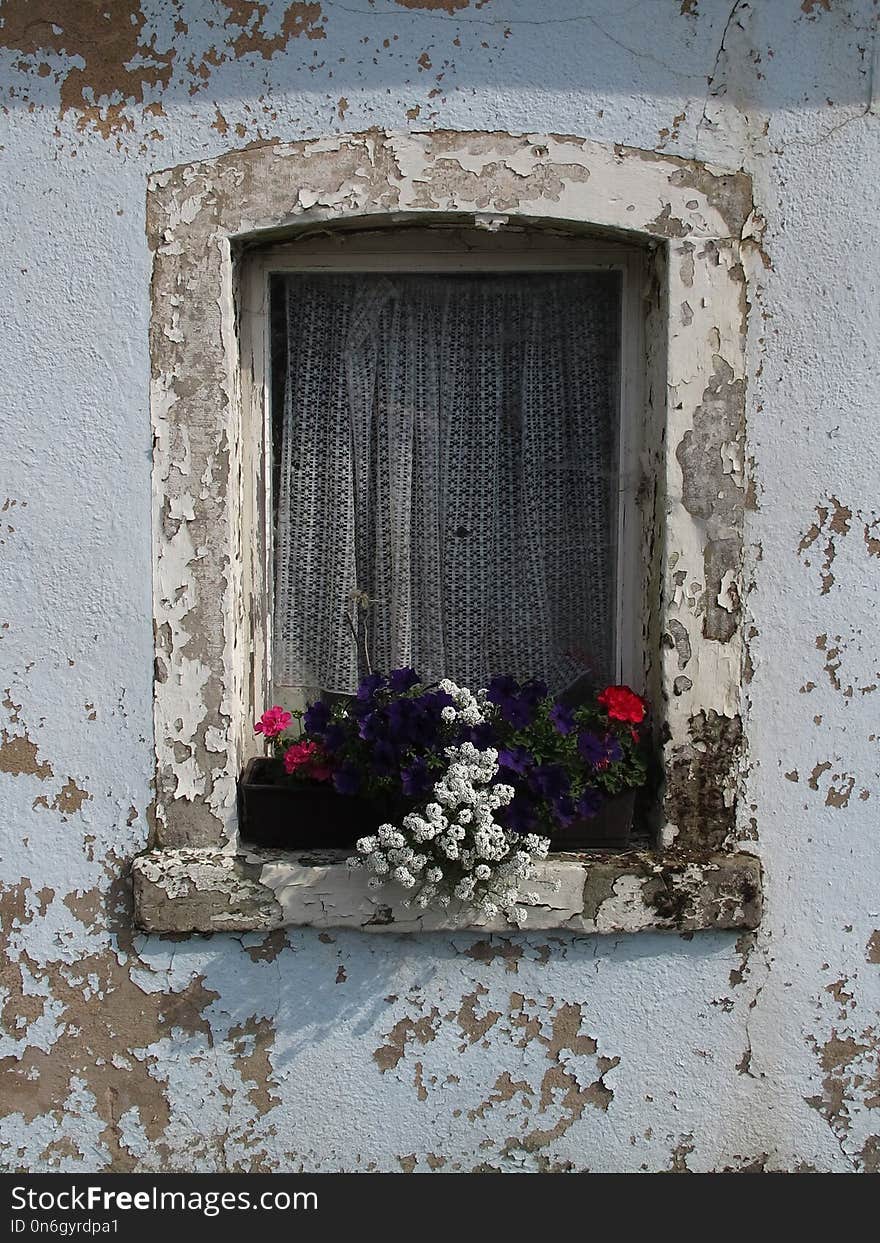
x,y
449,248
700,220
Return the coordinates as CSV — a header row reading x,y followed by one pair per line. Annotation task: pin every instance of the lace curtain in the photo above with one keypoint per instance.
x,y
448,445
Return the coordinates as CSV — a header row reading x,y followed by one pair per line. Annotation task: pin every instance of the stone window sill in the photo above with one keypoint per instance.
x,y
206,890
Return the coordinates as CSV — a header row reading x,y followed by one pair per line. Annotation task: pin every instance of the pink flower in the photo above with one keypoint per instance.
x,y
308,760
274,721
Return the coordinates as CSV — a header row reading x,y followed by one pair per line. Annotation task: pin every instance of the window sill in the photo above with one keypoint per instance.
x,y
254,890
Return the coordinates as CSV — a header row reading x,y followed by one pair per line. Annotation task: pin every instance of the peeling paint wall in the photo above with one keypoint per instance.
x,y
524,1052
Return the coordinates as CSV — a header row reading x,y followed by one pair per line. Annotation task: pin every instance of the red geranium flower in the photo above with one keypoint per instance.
x,y
623,704
273,721
308,760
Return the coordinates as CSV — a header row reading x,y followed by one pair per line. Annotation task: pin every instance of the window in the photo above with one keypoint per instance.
x,y
456,432
677,232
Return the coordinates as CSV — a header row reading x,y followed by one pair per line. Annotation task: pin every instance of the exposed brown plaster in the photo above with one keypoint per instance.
x,y
405,1031
839,795
445,6
833,520
70,798
504,1089
679,1155
252,1042
818,770
872,949
677,637
269,948
474,1027
667,225
86,906
18,757
102,1021
110,40
248,17
488,951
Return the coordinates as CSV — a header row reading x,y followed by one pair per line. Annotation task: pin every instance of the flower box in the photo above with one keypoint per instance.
x,y
272,811
610,827
491,780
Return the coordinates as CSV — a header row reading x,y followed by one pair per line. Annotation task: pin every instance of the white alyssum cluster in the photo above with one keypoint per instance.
x,y
454,848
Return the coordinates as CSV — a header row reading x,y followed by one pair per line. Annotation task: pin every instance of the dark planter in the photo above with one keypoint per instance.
x,y
275,812
611,826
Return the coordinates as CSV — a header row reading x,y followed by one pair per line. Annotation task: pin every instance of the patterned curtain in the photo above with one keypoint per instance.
x,y
449,447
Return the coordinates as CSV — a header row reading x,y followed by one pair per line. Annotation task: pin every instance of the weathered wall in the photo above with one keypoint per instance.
x,y
522,1052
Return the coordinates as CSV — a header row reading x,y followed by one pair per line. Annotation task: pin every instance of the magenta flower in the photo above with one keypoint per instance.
x,y
274,721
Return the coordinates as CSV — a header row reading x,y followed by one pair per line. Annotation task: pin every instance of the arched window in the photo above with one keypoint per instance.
x,y
396,258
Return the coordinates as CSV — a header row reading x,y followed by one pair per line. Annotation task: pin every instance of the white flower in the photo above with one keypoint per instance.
x,y
448,714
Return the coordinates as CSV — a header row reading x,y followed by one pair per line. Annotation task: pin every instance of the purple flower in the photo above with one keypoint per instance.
x,y
562,718
533,692
515,759
483,735
415,779
599,751
401,680
550,781
347,779
370,727
564,811
502,687
317,717
519,815
334,737
369,685
385,759
589,803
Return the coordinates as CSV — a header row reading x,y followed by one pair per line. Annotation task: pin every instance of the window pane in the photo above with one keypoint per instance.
x,y
448,445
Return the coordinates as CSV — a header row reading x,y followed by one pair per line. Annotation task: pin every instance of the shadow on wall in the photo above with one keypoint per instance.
x,y
117,68
311,986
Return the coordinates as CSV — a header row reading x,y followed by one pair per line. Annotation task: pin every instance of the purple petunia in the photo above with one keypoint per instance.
x,y
550,781
597,750
564,811
515,759
334,737
402,680
369,685
519,815
415,779
385,759
502,687
517,704
316,717
371,726
562,718
589,803
347,779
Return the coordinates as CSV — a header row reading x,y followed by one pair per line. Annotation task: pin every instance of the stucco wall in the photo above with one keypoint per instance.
x,y
312,1050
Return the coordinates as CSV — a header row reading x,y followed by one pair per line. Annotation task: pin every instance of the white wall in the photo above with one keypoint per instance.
x,y
319,1051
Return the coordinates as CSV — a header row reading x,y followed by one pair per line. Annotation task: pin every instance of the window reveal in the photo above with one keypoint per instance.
x,y
448,444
